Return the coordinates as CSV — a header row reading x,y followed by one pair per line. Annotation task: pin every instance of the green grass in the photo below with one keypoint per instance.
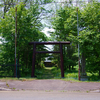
x,y
93,77
47,73
54,73
72,75
8,78
21,79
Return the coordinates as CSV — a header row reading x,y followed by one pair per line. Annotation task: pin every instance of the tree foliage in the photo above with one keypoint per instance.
x,y
65,25
28,29
63,30
89,38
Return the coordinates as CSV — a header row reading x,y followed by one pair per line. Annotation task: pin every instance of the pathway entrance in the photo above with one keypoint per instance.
x,y
46,73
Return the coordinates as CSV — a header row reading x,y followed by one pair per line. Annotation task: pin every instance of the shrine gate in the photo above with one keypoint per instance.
x,y
48,43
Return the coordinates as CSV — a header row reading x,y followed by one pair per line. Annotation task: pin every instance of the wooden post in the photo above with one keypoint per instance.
x,y
61,57
33,60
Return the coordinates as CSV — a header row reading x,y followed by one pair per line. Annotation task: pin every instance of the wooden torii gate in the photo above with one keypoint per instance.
x,y
47,43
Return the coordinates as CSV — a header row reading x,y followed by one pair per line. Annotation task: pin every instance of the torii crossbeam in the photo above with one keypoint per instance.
x,y
48,43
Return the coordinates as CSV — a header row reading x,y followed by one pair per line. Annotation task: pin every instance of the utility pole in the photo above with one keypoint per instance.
x,y
15,41
15,71
78,47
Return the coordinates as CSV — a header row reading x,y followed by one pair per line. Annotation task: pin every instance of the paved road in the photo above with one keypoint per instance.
x,y
49,90
55,85
47,95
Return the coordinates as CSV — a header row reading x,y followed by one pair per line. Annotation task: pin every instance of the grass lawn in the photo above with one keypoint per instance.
x,y
54,73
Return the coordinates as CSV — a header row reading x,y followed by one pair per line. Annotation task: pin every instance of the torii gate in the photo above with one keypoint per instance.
x,y
47,43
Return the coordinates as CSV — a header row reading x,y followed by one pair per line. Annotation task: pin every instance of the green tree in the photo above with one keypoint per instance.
x,y
89,28
28,29
89,38
7,4
63,30
65,25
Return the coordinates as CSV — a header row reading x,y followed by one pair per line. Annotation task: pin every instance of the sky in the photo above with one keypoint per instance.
x,y
46,30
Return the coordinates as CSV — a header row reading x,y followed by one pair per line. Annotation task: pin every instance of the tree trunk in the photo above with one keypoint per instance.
x,y
83,65
27,57
72,67
18,65
99,73
69,67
